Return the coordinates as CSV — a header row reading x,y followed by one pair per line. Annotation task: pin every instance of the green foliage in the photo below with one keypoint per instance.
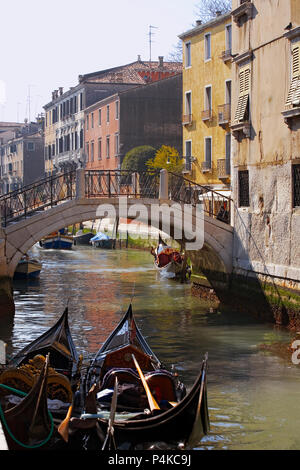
x,y
136,158
168,158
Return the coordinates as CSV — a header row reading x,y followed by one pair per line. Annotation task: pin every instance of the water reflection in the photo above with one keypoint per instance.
x,y
252,396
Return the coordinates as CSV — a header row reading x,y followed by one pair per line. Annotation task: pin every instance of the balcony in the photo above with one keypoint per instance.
x,y
224,114
187,119
206,115
206,167
226,55
223,168
243,11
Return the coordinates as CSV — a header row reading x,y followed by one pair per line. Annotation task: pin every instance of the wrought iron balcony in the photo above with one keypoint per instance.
x,y
224,114
223,168
187,119
207,115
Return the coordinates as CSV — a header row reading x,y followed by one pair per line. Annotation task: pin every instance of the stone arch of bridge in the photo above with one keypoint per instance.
x,y
214,256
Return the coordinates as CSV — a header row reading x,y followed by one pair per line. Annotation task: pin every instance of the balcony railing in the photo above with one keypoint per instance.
x,y
223,168
187,119
226,55
224,114
207,115
206,166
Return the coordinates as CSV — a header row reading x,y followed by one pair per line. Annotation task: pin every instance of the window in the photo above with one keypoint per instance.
x,y
87,151
243,181
242,110
87,122
92,151
228,38
99,117
92,120
293,97
81,101
207,45
228,92
188,103
208,142
117,109
107,147
188,155
81,138
107,113
99,148
207,97
188,61
30,146
296,185
116,145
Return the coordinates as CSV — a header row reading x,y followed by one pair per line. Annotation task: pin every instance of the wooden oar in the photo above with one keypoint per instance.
x,y
110,427
152,402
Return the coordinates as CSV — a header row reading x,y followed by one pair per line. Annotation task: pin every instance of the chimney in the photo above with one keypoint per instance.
x,y
198,22
53,95
161,61
139,58
218,13
61,90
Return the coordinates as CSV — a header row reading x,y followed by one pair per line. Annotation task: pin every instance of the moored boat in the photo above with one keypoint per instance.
x,y
101,240
82,238
126,359
167,260
27,268
59,240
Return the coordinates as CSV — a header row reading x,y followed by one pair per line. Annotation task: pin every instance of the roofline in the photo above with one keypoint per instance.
x,y
199,29
122,92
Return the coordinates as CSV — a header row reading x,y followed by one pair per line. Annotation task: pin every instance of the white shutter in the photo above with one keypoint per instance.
x,y
244,90
294,91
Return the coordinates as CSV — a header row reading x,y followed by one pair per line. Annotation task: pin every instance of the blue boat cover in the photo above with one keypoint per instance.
x,y
100,236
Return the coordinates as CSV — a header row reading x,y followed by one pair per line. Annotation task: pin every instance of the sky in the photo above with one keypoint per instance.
x,y
46,44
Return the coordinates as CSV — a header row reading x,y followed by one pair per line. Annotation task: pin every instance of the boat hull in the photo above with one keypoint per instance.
x,y
57,243
27,270
83,238
172,268
105,244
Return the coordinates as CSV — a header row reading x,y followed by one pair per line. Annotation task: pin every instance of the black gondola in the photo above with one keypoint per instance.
x,y
58,342
180,417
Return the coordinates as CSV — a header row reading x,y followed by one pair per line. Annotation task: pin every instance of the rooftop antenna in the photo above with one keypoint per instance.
x,y
150,38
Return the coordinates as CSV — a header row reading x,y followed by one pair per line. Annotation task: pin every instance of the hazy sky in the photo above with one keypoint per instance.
x,y
47,44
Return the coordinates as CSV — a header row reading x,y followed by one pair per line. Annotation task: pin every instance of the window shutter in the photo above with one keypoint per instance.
x,y
294,91
244,90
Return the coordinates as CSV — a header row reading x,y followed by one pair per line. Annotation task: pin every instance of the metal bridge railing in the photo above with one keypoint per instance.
x,y
37,196
183,190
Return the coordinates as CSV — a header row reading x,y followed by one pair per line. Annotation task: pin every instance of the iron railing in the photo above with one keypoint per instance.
x,y
185,191
111,183
45,193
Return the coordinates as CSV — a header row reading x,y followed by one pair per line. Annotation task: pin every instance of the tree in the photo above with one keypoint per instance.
x,y
136,158
176,54
206,9
168,158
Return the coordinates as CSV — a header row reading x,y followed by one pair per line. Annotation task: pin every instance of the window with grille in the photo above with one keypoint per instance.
x,y
242,110
244,200
296,185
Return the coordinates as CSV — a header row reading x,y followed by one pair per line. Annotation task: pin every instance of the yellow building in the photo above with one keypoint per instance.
x,y
207,102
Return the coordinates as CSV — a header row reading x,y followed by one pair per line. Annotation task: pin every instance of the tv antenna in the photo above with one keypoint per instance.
x,y
150,38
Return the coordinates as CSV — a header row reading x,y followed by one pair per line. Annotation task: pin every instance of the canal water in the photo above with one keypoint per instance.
x,y
253,396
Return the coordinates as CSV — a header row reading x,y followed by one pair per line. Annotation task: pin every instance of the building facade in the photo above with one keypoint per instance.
x,y
65,125
22,157
207,101
266,141
143,115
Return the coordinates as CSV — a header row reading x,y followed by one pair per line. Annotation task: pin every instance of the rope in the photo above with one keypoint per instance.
x,y
19,392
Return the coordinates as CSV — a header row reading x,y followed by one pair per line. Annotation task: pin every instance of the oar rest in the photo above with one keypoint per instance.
x,y
162,385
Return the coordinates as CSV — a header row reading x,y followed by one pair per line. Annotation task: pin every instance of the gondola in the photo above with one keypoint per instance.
x,y
65,364
178,416
29,425
167,261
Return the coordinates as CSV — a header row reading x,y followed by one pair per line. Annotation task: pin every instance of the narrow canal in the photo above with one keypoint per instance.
x,y
253,396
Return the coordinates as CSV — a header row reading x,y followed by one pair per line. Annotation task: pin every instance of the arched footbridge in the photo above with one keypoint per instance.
x,y
30,213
